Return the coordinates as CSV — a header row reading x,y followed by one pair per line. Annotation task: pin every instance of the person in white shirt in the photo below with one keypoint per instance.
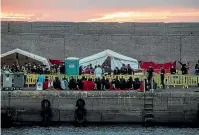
x,y
98,72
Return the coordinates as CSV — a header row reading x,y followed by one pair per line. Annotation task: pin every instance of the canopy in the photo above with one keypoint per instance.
x,y
116,60
22,57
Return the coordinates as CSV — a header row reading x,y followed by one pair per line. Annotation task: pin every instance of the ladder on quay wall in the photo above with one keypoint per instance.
x,y
148,110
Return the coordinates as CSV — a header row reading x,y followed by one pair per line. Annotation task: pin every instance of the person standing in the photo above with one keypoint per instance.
x,y
98,72
197,68
162,73
130,70
80,70
123,69
150,71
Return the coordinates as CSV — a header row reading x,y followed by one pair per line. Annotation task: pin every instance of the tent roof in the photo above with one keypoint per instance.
x,y
27,54
106,53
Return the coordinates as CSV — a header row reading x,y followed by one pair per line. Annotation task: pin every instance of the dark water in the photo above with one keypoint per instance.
x,y
100,130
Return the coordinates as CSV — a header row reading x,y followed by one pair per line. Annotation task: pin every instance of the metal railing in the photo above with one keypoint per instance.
x,y
170,80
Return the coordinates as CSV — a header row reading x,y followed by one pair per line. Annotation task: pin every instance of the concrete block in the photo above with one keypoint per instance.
x,y
122,117
93,116
176,116
66,115
29,116
161,116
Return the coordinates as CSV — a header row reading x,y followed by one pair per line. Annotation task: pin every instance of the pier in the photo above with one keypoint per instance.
x,y
161,106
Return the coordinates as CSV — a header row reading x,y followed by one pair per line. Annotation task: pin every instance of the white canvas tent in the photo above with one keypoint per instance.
x,y
22,57
116,60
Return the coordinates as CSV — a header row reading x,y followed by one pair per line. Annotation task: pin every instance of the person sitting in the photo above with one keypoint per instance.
x,y
72,83
122,84
117,84
136,84
129,83
107,84
64,84
91,84
98,83
85,84
57,84
45,84
172,70
79,84
103,80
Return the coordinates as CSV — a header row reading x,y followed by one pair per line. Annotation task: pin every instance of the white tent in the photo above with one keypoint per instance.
x,y
22,57
116,60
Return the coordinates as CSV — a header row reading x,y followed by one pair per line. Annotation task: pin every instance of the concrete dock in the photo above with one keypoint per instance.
x,y
164,106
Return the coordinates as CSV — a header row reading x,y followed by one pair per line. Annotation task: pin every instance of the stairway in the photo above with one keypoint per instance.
x,y
148,110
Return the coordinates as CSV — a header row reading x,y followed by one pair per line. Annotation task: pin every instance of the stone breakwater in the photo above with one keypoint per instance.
x,y
102,106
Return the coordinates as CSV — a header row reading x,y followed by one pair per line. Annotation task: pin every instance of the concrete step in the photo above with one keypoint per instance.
x,y
148,108
149,119
148,103
148,113
148,98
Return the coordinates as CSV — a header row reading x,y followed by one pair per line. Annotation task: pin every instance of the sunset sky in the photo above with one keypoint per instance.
x,y
101,10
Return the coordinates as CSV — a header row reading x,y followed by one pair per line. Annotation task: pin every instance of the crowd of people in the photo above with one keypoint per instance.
x,y
106,69
33,68
90,84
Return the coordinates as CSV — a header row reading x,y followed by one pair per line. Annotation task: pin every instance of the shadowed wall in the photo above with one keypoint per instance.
x,y
159,42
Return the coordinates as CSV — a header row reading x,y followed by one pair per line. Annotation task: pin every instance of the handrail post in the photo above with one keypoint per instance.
x,y
152,85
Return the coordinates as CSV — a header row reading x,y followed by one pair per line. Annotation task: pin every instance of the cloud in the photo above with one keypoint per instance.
x,y
144,16
21,17
100,10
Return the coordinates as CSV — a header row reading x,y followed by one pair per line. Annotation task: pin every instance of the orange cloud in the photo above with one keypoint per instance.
x,y
20,17
112,15
15,16
143,16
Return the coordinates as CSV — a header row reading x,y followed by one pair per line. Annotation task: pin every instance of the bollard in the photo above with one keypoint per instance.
x,y
80,112
46,112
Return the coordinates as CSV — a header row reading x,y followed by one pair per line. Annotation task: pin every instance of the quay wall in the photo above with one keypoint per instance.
x,y
159,42
103,106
